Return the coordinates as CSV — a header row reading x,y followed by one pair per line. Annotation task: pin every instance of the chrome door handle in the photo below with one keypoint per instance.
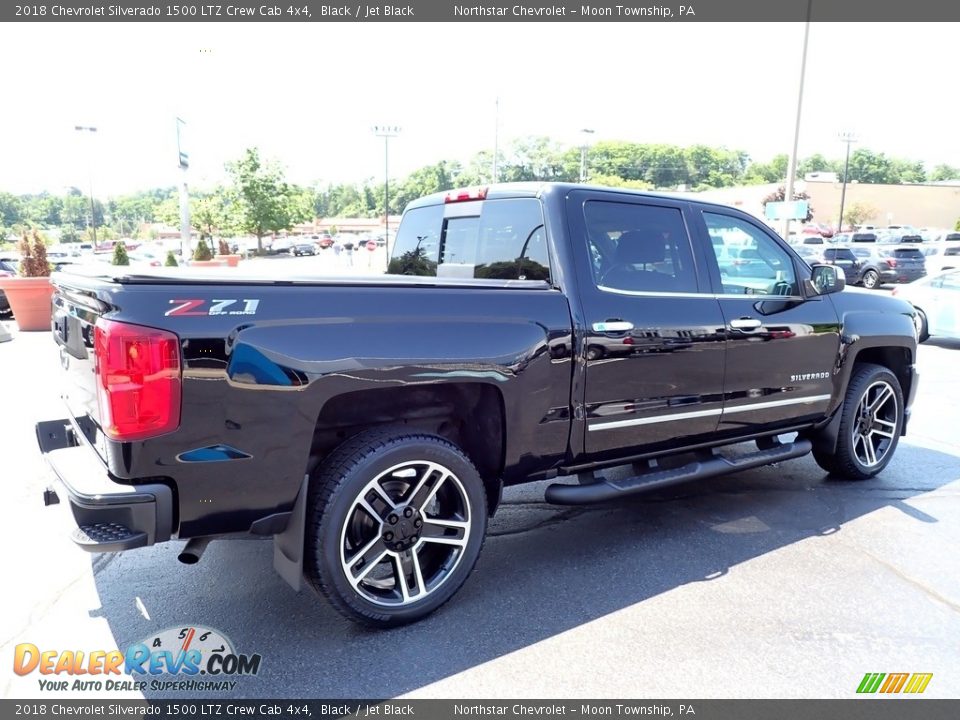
x,y
612,326
745,324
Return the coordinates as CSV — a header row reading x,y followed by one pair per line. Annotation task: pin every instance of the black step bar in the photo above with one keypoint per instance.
x,y
604,490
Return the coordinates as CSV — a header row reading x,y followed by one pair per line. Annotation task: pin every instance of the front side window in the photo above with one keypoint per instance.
x,y
639,248
750,261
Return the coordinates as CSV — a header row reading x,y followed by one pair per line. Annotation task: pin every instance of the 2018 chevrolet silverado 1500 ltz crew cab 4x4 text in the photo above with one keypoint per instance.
x,y
523,332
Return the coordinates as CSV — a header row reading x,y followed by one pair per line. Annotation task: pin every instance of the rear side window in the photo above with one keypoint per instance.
x,y
839,254
492,239
639,248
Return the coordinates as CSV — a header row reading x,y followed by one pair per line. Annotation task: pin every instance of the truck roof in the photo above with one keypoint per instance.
x,y
499,191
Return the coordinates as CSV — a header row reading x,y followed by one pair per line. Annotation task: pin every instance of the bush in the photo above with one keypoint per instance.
x,y
957,226
223,248
120,256
202,251
171,260
33,256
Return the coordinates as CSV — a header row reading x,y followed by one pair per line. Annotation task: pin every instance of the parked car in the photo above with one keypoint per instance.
x,y
880,264
941,256
811,254
936,299
303,248
844,258
373,444
899,236
8,268
281,245
863,236
842,238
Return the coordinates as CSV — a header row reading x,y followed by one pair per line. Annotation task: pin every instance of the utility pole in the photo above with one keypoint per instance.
x,y
496,138
184,163
584,144
792,164
386,132
849,137
93,216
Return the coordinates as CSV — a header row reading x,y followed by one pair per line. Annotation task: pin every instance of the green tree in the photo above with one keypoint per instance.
x,y
867,166
944,172
120,256
856,213
171,260
11,210
771,172
816,163
266,203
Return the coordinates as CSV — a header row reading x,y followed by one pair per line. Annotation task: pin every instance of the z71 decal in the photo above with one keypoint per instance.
x,y
217,307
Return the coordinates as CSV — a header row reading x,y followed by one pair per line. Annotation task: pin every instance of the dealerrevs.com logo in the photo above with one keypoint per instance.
x,y
182,652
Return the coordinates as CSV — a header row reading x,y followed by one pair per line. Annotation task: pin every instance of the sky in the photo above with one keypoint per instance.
x,y
309,94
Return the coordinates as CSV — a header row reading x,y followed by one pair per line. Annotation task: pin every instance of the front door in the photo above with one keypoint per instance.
x,y
654,342
782,347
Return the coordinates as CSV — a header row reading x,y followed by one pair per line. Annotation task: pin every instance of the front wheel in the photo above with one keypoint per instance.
x,y
920,322
870,424
396,523
871,279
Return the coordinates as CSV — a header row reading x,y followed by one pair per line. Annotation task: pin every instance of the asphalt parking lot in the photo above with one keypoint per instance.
x,y
777,582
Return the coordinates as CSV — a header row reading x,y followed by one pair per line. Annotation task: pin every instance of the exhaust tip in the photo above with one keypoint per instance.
x,y
193,550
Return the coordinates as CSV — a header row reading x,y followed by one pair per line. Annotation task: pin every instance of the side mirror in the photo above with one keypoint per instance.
x,y
827,279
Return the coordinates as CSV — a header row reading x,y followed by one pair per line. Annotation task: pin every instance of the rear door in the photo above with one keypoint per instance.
x,y
654,343
781,347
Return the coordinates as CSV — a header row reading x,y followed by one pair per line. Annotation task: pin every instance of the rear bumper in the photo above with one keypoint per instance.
x,y
110,516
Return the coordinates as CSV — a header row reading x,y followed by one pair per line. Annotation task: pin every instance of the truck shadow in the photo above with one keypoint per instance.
x,y
544,570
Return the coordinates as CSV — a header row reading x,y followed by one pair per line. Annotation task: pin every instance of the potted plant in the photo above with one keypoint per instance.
x,y
203,256
30,292
223,250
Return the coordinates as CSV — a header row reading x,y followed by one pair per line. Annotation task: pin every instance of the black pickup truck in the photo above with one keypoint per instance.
x,y
524,332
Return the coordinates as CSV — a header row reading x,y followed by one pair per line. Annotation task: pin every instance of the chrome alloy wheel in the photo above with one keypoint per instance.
x,y
405,533
875,424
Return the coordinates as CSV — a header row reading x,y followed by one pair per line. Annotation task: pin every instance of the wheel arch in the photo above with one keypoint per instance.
x,y
471,415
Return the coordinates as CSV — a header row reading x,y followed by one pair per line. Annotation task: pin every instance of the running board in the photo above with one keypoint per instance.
x,y
561,494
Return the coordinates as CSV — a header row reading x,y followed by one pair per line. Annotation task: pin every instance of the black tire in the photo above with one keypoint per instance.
x,y
348,516
920,321
870,279
860,428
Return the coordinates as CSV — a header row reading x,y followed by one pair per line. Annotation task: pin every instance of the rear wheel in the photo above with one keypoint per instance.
x,y
870,424
396,523
871,279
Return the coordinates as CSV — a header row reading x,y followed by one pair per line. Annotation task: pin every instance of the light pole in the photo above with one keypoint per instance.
x,y
93,216
386,132
849,137
792,164
586,132
184,163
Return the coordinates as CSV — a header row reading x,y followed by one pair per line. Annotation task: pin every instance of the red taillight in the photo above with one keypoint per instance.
x,y
892,262
894,291
476,193
138,380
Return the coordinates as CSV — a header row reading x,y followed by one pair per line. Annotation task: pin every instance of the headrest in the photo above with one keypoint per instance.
x,y
636,246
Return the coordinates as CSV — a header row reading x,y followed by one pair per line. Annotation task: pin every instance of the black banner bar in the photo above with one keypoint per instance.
x,y
875,708
851,11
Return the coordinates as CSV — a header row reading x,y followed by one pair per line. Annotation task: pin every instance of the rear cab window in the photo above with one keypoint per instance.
x,y
497,239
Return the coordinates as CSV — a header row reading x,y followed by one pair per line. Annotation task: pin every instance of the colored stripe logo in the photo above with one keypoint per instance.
x,y
890,683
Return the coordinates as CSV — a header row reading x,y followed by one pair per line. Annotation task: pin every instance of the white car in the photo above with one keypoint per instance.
x,y
941,256
936,298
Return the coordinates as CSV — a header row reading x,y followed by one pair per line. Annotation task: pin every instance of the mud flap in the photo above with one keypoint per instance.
x,y
288,545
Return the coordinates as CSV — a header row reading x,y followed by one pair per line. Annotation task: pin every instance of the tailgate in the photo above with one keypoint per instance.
x,y
75,312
